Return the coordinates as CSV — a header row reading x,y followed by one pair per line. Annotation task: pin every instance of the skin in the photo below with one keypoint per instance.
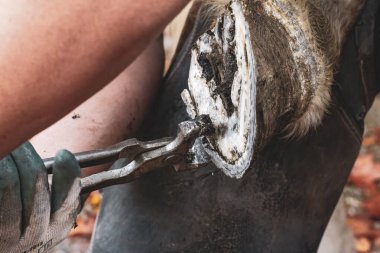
x,y
110,116
56,54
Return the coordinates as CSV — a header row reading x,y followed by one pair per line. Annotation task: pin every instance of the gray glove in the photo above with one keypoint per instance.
x,y
34,216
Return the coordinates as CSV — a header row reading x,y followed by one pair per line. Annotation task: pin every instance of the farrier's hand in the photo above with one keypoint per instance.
x,y
34,216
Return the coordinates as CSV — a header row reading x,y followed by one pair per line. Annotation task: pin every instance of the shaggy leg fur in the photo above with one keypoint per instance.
x,y
265,68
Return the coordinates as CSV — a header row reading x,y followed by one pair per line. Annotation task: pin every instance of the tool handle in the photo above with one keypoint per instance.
x,y
88,158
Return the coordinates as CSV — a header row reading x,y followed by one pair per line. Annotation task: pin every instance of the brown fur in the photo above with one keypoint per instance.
x,y
324,23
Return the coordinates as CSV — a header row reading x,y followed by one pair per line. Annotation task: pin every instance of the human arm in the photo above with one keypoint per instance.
x,y
105,118
56,54
111,115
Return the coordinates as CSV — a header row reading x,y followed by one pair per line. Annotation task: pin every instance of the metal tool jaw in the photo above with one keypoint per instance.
x,y
184,152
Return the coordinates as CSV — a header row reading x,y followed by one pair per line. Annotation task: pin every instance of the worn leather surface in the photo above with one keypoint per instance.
x,y
281,205
357,81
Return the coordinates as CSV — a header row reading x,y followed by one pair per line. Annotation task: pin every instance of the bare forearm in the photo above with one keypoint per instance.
x,y
55,54
110,116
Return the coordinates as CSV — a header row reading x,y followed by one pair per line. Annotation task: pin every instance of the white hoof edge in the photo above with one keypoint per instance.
x,y
222,85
